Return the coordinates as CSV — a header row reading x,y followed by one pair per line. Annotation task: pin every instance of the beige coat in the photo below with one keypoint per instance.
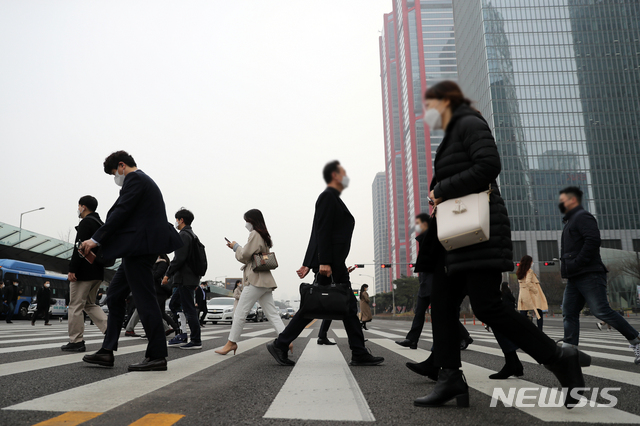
x,y
365,310
531,296
255,244
237,292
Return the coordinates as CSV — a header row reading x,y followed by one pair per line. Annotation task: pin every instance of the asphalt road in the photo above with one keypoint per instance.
x,y
250,388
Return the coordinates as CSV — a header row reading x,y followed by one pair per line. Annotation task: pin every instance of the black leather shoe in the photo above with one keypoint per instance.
x,y
150,365
512,367
366,360
279,355
325,341
425,368
74,347
105,360
451,384
408,344
566,368
464,343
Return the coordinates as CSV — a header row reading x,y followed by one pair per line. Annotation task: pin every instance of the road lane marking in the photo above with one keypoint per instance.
x,y
320,387
306,332
126,387
25,366
478,379
72,418
384,334
340,333
159,419
42,339
311,323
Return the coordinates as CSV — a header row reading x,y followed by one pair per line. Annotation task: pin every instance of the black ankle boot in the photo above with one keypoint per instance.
x,y
425,368
512,367
451,384
565,365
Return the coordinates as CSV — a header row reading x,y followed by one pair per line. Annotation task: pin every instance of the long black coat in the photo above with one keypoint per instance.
x,y
467,161
43,298
84,270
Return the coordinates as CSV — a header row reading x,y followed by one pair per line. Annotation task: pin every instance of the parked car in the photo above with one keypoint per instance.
x,y
220,309
256,314
287,313
58,309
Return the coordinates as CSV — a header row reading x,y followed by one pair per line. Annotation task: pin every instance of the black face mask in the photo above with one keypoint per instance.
x,y
562,208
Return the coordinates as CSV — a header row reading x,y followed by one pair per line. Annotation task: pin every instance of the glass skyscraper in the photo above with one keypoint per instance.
x,y
380,232
417,49
559,83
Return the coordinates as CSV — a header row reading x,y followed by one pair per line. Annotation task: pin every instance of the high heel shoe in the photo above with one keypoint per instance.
x,y
230,346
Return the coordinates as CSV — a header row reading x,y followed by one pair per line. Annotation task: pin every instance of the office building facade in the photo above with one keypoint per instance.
x,y
558,82
417,49
380,232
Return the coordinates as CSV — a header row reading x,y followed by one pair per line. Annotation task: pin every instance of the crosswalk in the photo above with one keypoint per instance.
x,y
320,379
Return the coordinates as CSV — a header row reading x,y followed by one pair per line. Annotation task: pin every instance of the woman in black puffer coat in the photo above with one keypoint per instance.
x,y
467,161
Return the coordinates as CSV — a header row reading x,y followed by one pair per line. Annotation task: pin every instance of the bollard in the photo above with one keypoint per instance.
x,y
465,318
474,319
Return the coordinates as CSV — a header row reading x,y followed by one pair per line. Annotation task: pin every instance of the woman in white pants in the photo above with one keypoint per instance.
x,y
257,286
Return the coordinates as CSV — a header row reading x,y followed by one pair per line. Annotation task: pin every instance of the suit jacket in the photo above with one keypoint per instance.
x,y
137,223
331,234
84,270
179,269
201,299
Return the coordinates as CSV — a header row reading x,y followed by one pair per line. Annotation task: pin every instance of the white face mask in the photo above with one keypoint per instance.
x,y
80,213
177,225
248,226
345,181
15,284
418,229
47,285
433,119
119,178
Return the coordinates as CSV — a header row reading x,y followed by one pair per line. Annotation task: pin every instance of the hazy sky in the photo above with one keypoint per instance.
x,y
227,105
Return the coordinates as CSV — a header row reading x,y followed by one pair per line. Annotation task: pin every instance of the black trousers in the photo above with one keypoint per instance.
x,y
41,312
418,321
483,289
162,301
324,329
203,314
135,275
351,322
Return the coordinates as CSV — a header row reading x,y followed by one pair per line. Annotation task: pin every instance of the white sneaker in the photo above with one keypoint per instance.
x,y
599,326
636,352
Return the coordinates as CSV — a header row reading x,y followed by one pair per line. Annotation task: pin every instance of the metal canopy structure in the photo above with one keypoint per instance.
x,y
28,246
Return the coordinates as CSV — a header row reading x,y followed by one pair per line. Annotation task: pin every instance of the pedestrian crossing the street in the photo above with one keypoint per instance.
x,y
320,379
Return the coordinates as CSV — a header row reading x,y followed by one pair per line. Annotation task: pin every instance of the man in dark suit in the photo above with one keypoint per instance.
x,y
201,303
327,252
136,230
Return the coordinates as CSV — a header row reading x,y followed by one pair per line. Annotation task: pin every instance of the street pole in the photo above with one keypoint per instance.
x,y
20,230
393,298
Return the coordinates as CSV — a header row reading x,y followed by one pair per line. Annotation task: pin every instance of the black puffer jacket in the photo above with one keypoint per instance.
x,y
467,161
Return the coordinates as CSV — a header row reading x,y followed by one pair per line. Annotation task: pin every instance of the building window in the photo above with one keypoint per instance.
x,y
636,245
519,250
548,250
614,244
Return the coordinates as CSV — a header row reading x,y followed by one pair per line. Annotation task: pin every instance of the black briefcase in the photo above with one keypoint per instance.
x,y
329,301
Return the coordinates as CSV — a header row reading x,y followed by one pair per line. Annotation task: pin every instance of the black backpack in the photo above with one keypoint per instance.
x,y
107,263
197,260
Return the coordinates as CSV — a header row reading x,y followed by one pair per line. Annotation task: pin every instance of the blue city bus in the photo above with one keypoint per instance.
x,y
31,277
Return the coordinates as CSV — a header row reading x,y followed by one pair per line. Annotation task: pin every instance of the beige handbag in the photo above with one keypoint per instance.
x,y
264,262
464,221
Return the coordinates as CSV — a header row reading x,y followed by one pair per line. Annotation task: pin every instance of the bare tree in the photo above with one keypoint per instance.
x,y
65,235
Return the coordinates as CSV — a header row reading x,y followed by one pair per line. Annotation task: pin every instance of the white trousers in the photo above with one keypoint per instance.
x,y
250,295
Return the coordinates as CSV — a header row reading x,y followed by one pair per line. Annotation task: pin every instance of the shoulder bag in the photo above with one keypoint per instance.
x,y
329,301
464,221
264,262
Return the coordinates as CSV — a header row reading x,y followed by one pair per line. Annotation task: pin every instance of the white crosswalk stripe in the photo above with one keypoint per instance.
x,y
321,376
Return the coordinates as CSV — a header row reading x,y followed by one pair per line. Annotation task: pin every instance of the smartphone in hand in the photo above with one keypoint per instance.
x,y
90,257
227,240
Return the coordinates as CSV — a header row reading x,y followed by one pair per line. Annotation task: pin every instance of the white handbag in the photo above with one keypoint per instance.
x,y
464,221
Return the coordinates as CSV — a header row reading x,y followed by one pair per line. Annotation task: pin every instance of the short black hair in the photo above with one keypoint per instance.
x,y
424,217
573,191
186,215
112,161
328,170
89,202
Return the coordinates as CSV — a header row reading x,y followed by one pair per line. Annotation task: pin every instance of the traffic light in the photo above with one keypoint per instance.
x,y
549,263
411,265
518,264
385,265
360,265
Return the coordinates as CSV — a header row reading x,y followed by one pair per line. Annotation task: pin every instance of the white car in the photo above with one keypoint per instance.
x,y
57,309
220,309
